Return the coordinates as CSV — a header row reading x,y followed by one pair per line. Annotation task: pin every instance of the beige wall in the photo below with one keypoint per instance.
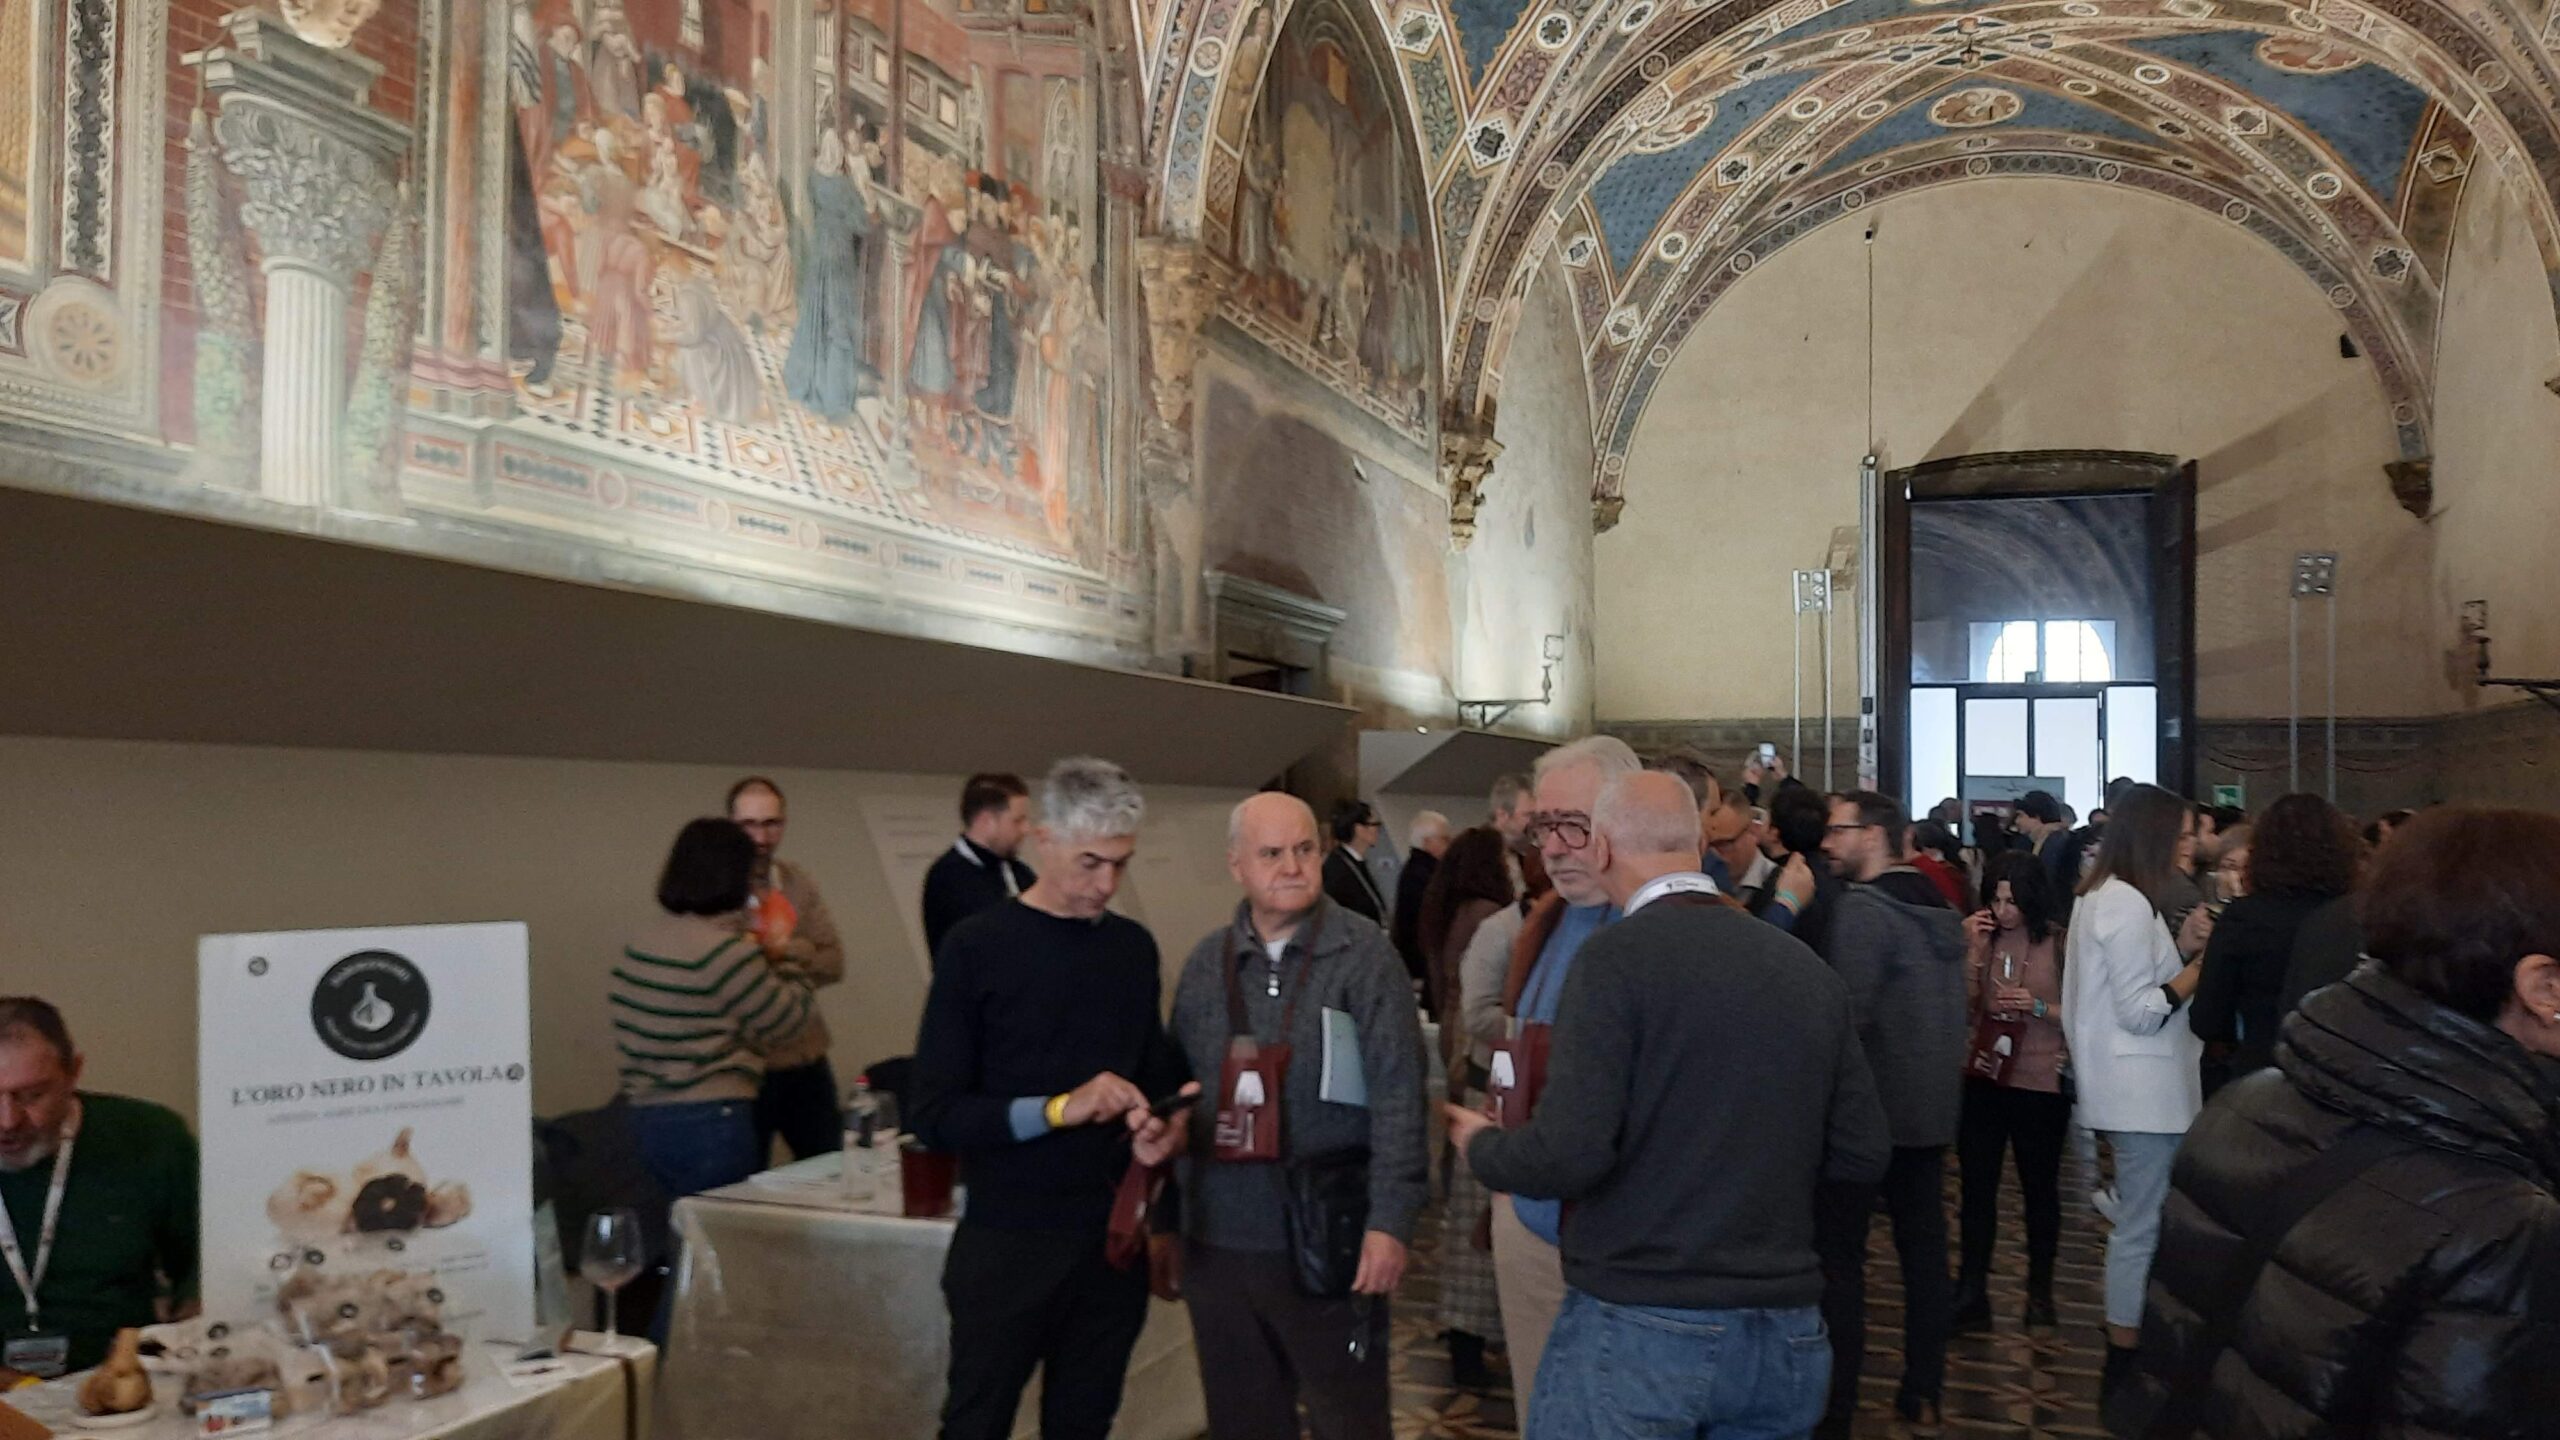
x,y
2498,435
1527,574
120,855
2011,314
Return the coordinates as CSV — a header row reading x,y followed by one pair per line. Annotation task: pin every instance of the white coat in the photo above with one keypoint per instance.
x,y
2133,1055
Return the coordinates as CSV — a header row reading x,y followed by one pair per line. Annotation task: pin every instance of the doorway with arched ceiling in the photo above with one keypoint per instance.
x,y
2035,627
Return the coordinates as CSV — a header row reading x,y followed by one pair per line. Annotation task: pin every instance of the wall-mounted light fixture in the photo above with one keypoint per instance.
x,y
1489,713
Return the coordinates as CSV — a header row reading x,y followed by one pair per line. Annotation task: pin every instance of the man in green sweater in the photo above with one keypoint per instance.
x,y
97,1203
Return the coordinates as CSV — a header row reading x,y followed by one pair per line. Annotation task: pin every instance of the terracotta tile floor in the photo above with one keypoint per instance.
x,y
2005,1383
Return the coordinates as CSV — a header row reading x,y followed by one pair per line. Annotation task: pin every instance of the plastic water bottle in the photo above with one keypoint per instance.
x,y
861,1114
861,1125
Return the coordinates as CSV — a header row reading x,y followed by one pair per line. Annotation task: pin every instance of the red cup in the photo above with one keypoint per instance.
x,y
925,1178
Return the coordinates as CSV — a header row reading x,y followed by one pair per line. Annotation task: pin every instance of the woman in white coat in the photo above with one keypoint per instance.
x,y
2124,980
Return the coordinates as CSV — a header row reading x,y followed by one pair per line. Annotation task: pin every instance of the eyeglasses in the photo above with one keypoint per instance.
x,y
1571,828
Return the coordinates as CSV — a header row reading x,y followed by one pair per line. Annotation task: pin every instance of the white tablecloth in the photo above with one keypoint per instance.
x,y
588,1404
802,1313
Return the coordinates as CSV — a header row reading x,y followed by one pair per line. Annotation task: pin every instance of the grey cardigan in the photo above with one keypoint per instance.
x,y
1343,962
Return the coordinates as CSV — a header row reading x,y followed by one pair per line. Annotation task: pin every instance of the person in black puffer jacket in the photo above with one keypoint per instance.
x,y
2365,1240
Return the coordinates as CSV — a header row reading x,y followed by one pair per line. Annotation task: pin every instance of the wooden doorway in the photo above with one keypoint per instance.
x,y
2159,545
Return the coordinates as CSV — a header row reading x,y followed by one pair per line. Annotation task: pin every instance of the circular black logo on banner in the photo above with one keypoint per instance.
x,y
370,1006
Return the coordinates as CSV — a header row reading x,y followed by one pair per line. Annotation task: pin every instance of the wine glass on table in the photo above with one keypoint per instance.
x,y
610,1256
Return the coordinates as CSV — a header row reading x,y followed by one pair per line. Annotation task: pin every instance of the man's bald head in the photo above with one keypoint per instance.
x,y
1271,807
1647,823
1273,854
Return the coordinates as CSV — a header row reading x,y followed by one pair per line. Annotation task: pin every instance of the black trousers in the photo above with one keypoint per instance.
x,y
802,1105
1265,1349
1022,1300
2035,1123
1915,1204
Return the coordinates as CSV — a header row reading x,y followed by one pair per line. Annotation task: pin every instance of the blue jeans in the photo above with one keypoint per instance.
x,y
697,1145
2143,1163
692,1146
1613,1371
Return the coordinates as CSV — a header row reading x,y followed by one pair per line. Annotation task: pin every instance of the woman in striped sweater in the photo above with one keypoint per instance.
x,y
695,1006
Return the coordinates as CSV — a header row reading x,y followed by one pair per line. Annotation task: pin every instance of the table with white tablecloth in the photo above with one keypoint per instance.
x,y
800,1311
603,1394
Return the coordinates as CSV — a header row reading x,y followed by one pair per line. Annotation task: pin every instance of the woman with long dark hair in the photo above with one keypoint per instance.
x,y
2133,1058
2013,978
2362,1238
2302,855
1472,885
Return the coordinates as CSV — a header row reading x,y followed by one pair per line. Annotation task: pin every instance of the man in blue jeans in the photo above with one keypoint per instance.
x,y
1704,1076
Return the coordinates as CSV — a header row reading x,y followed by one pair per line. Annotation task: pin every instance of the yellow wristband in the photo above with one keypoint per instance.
x,y
1055,1112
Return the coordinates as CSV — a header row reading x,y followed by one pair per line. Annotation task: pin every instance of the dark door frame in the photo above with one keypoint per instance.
x,y
2050,475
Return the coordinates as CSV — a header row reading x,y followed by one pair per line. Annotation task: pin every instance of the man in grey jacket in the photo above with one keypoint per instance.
x,y
1295,969
1900,950
1689,1251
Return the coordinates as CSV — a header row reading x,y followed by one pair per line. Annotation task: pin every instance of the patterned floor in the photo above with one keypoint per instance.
x,y
2004,1383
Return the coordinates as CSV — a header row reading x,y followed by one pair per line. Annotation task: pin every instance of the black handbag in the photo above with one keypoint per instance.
x,y
1328,1212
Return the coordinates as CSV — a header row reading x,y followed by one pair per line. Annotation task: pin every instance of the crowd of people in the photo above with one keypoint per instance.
x,y
1694,1040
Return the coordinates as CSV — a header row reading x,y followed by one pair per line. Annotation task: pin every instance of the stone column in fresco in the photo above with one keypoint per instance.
x,y
316,165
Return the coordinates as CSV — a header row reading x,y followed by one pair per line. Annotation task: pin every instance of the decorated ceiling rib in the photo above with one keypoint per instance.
x,y
1663,147
2330,134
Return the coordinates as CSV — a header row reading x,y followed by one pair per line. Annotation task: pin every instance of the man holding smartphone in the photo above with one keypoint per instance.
x,y
1299,1017
1039,1051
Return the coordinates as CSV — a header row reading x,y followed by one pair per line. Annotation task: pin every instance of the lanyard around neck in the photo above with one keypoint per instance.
x,y
31,1280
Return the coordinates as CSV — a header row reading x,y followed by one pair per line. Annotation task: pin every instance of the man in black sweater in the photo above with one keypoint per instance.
x,y
1692,1226
1041,1044
979,871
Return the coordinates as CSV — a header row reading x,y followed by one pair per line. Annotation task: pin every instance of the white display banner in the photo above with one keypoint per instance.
x,y
366,1104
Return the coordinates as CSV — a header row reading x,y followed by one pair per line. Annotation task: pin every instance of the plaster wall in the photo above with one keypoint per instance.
x,y
122,854
2010,314
2498,439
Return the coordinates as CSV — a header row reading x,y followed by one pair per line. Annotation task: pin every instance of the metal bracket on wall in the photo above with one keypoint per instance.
x,y
2475,633
1489,713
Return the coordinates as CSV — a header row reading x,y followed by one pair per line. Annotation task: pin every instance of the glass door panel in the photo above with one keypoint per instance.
x,y
2066,748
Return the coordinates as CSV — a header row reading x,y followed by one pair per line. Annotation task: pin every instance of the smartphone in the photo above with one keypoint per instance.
x,y
1768,754
1174,1104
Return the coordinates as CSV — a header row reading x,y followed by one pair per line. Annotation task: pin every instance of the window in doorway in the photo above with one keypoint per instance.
x,y
2049,652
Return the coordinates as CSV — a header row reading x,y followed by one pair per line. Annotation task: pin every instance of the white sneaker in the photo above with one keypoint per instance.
x,y
2105,1202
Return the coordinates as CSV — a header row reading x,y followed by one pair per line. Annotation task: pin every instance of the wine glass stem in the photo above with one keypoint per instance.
x,y
611,1297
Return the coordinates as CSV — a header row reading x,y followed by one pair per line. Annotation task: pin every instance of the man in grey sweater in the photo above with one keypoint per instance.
x,y
1704,1078
1900,950
1292,968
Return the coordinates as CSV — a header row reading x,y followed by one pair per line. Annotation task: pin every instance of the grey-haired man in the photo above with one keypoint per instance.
x,y
1040,1048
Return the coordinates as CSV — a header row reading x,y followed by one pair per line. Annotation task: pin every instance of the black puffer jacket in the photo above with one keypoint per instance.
x,y
2422,1298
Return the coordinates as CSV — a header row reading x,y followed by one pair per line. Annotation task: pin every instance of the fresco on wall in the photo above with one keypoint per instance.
x,y
1332,270
878,277
17,125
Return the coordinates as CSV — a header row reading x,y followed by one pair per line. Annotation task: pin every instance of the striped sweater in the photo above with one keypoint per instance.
x,y
695,1007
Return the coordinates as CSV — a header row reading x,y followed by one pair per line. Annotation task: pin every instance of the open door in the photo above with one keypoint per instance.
x,y
2173,601
2035,625
1893,632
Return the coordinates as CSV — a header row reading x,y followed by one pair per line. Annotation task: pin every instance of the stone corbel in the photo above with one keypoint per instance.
x,y
1605,510
2413,483
1467,453
1180,281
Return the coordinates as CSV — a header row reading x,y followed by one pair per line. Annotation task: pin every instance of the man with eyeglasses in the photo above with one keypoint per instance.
x,y
1527,1268
798,1100
1900,949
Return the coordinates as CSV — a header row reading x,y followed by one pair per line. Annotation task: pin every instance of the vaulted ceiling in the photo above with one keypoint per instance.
x,y
1665,147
